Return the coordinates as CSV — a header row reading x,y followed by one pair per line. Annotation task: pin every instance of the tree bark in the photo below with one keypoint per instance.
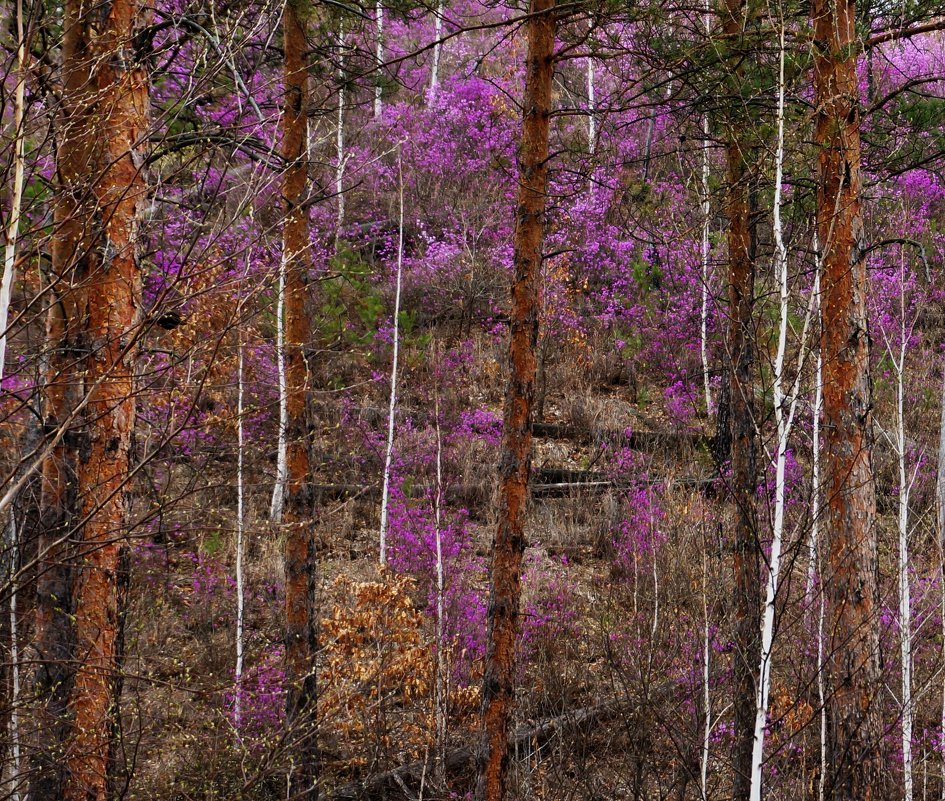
x,y
110,317
855,769
392,405
940,526
298,514
91,331
741,356
498,695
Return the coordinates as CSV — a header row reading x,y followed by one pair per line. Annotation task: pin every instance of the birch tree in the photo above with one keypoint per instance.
x,y
6,291
785,406
591,107
706,677
392,403
437,49
16,197
442,678
706,222
240,582
813,560
340,141
378,59
282,471
940,519
896,351
905,595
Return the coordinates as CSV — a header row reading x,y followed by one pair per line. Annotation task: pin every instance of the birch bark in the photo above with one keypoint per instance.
x,y
392,405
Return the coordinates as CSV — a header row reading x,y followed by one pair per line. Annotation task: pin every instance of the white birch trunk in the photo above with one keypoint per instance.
x,y
240,594
6,292
16,199
815,447
282,468
340,145
784,420
897,355
706,210
822,694
940,493
656,610
385,493
813,561
648,145
437,48
591,108
442,687
13,725
379,57
905,600
704,311
706,687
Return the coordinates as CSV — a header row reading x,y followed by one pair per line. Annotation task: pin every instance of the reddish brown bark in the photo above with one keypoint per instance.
x,y
498,697
741,355
747,600
108,312
54,634
90,330
298,513
853,666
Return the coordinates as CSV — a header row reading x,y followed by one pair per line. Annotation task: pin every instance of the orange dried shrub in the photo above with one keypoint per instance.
x,y
377,677
789,716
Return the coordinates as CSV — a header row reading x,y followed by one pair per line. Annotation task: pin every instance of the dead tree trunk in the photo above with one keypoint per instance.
x,y
509,545
91,333
298,513
853,668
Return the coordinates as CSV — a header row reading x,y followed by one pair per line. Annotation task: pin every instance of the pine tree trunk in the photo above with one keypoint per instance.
x,y
741,353
498,695
298,513
852,660
110,316
91,331
54,637
72,263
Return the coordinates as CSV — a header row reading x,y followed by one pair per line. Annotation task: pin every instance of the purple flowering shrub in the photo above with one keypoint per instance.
x,y
256,706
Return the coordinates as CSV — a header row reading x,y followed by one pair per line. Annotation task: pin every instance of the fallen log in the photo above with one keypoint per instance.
x,y
547,482
460,759
674,441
